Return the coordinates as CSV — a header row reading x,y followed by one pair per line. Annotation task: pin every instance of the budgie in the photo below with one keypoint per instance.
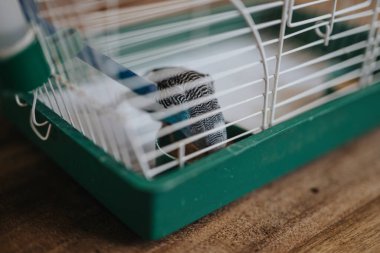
x,y
176,86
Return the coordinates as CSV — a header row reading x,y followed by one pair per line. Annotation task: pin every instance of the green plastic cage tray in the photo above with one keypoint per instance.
x,y
158,206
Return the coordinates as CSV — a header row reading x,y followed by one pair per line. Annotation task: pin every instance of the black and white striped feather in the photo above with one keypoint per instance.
x,y
178,86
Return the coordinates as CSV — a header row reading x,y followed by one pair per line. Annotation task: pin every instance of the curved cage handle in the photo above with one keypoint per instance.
x,y
37,133
240,6
33,112
329,26
19,102
33,122
32,119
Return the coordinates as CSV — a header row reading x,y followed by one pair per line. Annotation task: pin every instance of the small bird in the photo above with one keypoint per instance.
x,y
177,86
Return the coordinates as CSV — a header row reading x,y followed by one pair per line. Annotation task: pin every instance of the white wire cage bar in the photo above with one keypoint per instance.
x,y
268,61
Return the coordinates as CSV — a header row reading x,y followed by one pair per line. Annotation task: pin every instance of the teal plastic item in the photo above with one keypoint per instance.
x,y
24,71
156,208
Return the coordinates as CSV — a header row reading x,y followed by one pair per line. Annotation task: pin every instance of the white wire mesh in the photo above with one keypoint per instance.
x,y
268,60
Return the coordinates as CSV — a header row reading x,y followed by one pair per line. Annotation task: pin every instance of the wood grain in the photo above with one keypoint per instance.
x,y
331,205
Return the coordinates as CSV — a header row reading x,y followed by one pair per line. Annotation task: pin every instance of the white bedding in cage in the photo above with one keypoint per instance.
x,y
114,127
215,60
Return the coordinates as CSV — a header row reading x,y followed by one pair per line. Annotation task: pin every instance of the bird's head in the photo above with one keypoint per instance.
x,y
177,83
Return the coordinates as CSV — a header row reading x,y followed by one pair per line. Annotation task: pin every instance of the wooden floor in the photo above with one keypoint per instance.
x,y
331,205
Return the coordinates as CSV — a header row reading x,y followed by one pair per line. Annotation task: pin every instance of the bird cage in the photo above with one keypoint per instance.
x,y
168,110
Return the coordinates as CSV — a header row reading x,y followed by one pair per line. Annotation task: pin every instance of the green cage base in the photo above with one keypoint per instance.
x,y
24,71
156,208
